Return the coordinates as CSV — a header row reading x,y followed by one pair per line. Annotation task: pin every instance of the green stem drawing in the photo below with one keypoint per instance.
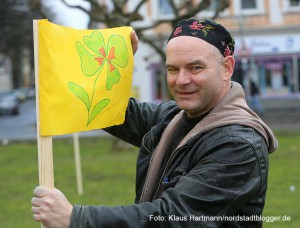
x,y
94,88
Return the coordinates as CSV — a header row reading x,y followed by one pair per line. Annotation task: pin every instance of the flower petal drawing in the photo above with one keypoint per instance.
x,y
118,56
113,76
88,64
120,50
95,42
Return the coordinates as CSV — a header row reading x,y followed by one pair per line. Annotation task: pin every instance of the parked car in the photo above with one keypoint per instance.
x,y
25,93
9,103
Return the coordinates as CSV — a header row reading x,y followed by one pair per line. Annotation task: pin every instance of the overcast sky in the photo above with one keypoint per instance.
x,y
68,16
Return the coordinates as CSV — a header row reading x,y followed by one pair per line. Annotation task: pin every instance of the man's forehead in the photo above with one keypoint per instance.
x,y
188,44
188,56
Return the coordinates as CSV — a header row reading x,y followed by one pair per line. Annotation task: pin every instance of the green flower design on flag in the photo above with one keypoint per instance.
x,y
94,55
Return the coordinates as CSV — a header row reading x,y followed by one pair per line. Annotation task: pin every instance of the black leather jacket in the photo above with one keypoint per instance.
x,y
216,179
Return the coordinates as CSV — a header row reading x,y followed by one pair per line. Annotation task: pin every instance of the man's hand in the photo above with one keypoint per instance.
x,y
51,207
134,41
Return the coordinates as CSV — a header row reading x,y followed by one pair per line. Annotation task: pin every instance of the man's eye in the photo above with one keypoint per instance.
x,y
172,70
196,68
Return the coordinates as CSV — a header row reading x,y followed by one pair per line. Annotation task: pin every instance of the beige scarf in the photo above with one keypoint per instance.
x,y
232,109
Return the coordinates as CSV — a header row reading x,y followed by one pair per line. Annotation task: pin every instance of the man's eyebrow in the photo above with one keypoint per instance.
x,y
169,65
196,62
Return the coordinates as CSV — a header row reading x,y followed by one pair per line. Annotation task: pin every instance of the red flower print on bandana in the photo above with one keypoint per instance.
x,y
196,26
177,31
227,52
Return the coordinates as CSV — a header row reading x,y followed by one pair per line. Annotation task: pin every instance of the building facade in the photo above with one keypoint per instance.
x,y
267,35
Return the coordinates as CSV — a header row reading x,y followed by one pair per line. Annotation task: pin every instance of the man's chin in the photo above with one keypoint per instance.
x,y
186,106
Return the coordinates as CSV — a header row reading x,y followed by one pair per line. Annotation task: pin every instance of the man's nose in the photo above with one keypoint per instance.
x,y
183,78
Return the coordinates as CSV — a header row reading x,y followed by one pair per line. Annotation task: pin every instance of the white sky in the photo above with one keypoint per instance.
x,y
69,16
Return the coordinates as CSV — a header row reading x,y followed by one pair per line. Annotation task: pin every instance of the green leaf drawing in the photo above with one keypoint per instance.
x,y
80,93
98,108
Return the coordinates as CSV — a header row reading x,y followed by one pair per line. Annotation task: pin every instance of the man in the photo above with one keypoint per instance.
x,y
203,159
253,98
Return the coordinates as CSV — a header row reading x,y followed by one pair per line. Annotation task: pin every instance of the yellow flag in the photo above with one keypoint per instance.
x,y
84,77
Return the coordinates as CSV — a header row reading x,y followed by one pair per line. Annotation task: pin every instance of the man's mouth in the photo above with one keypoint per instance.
x,y
185,93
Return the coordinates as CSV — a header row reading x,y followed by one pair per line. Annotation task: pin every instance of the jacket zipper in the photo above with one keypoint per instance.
x,y
147,176
173,155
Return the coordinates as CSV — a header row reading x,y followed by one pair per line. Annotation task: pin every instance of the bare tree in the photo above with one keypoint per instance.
x,y
16,34
117,14
120,16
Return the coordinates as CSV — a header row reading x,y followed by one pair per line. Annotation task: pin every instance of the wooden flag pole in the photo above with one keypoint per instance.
x,y
45,153
77,163
45,159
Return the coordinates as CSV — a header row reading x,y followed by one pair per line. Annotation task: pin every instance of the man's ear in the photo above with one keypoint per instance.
x,y
228,67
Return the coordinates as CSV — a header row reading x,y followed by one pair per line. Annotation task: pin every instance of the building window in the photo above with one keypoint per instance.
x,y
164,8
249,7
156,84
248,4
210,10
292,5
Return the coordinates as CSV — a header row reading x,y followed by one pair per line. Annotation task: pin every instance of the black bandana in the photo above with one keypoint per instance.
x,y
207,30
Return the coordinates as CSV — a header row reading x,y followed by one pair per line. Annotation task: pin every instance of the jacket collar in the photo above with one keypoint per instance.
x,y
232,109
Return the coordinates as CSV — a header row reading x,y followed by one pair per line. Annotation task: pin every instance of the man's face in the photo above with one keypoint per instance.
x,y
194,76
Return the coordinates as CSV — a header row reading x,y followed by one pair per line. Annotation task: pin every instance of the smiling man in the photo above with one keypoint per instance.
x,y
203,159
197,75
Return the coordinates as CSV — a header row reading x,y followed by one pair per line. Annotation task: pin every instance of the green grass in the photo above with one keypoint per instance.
x,y
284,173
108,177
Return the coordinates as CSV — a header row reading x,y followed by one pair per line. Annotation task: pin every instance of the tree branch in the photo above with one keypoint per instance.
x,y
190,13
76,6
154,45
139,5
120,16
221,5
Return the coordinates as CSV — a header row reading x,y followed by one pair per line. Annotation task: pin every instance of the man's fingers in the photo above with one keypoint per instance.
x,y
40,192
134,41
35,210
37,217
35,201
36,213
